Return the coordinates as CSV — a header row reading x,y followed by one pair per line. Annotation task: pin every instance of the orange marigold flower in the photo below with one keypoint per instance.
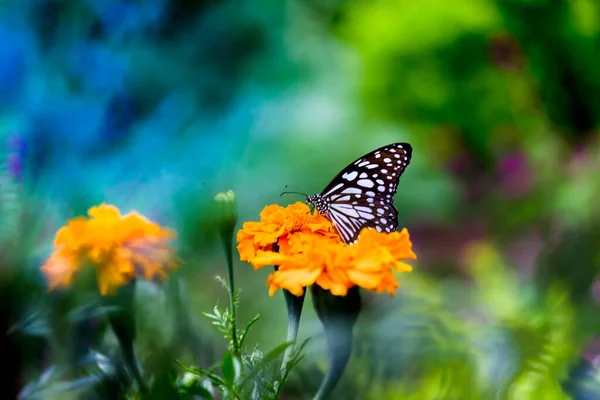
x,y
121,247
307,251
277,223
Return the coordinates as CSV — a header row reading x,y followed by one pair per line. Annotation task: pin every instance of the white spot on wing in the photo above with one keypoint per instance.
x,y
337,197
367,215
349,176
367,183
349,211
352,190
333,189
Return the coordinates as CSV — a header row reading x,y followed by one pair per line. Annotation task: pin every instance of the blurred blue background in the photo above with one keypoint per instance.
x,y
156,106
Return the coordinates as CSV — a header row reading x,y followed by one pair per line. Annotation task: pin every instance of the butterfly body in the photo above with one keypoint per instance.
x,y
362,194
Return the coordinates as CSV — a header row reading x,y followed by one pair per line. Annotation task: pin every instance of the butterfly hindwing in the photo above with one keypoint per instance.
x,y
349,220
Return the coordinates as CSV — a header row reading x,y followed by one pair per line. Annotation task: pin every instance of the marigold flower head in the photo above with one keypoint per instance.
x,y
120,247
279,223
307,251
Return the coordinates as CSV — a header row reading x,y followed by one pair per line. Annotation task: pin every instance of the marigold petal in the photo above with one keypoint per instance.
x,y
364,279
71,235
336,288
152,261
262,239
105,212
402,267
295,279
113,274
59,270
274,285
265,258
339,289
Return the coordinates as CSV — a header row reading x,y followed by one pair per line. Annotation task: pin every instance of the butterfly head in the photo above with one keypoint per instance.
x,y
321,204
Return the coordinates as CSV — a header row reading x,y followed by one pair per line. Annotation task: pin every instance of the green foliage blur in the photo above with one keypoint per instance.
x,y
499,99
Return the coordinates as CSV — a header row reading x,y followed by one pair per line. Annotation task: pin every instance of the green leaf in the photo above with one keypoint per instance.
x,y
269,357
247,328
229,369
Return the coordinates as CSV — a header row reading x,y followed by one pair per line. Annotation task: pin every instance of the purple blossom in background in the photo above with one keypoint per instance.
x,y
592,352
466,169
515,175
579,161
524,251
595,291
16,155
440,245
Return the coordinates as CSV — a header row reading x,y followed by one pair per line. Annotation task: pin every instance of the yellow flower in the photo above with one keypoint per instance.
x,y
307,251
121,247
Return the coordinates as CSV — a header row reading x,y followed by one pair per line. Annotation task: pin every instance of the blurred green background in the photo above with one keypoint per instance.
x,y
157,106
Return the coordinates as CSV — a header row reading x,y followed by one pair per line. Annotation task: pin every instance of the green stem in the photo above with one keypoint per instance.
x,y
123,325
228,247
132,363
294,309
339,342
232,390
338,315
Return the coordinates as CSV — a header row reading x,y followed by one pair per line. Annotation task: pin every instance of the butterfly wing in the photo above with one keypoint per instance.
x,y
362,194
350,220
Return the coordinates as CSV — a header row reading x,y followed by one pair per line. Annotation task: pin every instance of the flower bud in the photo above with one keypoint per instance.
x,y
227,214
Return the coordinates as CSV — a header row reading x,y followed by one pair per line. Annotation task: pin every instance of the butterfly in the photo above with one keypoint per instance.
x,y
362,194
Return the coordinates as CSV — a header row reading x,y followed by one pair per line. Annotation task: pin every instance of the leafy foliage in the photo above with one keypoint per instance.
x,y
244,374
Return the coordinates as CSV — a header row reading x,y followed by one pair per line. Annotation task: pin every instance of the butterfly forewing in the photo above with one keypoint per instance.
x,y
362,194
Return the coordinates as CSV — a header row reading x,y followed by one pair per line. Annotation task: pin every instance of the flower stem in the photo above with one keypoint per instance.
x,y
227,236
339,343
338,314
294,310
123,325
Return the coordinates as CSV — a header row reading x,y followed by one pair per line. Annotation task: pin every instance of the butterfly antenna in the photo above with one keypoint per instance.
x,y
303,194
286,186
